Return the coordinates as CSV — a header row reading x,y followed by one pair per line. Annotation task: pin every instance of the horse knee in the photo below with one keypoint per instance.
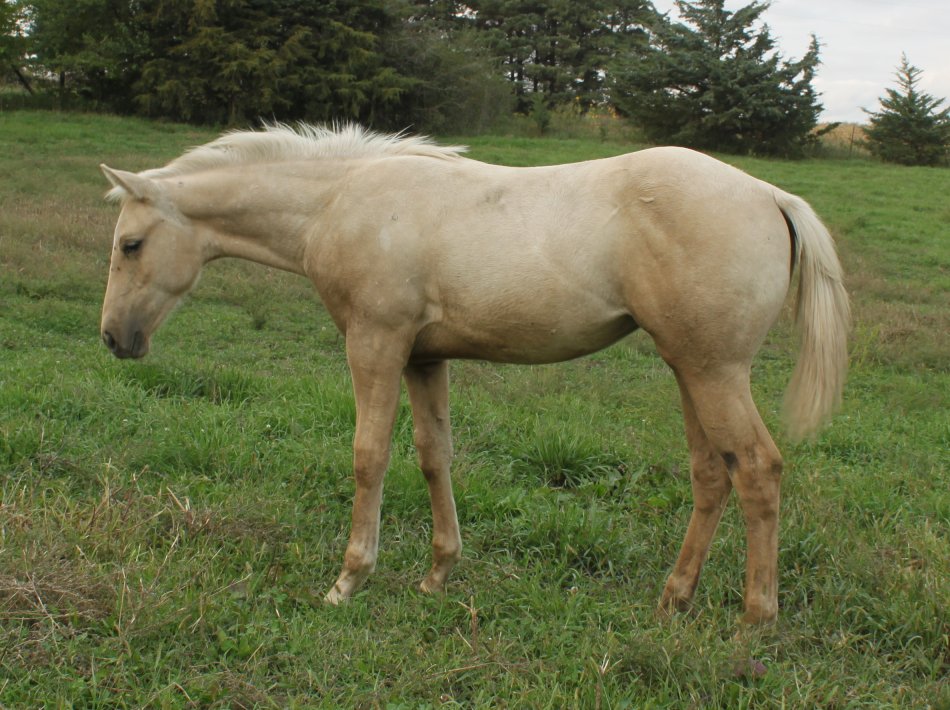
x,y
434,452
369,463
434,463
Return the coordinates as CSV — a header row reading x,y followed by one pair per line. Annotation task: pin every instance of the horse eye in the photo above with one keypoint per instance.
x,y
131,247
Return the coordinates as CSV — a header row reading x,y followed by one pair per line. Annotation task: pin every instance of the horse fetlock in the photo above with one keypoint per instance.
x,y
444,559
446,553
435,581
358,564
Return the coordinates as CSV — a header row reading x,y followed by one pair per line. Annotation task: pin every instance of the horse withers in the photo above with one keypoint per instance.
x,y
421,255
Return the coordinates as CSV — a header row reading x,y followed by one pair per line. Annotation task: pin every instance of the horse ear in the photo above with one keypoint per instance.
x,y
131,184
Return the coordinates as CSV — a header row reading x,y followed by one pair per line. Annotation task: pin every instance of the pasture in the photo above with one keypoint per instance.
x,y
168,527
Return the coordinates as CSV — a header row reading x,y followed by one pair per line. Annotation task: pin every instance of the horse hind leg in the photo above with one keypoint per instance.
x,y
711,488
723,406
428,387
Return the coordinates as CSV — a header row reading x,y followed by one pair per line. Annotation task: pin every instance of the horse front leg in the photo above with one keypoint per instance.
x,y
429,395
376,363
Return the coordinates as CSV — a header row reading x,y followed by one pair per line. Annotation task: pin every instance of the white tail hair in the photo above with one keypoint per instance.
x,y
823,317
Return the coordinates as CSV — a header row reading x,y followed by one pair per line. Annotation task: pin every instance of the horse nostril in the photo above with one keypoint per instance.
x,y
109,340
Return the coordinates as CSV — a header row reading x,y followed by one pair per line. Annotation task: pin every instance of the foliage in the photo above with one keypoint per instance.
x,y
717,83
457,85
12,40
236,60
438,65
167,525
435,62
220,61
559,49
92,46
910,127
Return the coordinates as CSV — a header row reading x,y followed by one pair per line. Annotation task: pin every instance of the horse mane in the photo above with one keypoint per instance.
x,y
281,142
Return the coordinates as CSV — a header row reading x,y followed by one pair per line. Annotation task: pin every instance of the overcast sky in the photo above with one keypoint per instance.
x,y
861,45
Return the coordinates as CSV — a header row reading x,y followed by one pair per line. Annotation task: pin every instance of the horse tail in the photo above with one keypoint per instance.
x,y
823,318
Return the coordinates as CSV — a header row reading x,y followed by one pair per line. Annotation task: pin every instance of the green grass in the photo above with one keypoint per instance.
x,y
168,526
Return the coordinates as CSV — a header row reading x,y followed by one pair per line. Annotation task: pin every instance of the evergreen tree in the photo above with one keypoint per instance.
x,y
219,61
909,128
717,83
236,60
458,87
558,49
89,45
12,41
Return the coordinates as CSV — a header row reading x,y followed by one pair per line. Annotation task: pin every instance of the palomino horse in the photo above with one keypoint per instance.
x,y
421,255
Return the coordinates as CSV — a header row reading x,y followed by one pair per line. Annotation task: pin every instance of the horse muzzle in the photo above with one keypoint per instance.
x,y
137,348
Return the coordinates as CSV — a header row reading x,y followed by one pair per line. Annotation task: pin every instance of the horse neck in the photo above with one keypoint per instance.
x,y
262,213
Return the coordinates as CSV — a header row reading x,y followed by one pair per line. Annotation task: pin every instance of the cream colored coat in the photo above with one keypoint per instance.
x,y
421,255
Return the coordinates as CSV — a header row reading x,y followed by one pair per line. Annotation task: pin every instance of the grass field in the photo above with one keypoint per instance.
x,y
168,526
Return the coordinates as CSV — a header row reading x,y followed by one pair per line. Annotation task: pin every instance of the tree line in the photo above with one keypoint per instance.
x,y
712,80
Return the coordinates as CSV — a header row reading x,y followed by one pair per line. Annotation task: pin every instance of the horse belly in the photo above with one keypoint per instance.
x,y
521,341
527,296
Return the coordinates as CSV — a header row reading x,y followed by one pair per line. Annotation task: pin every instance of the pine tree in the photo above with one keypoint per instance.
x,y
909,128
13,42
88,45
233,61
717,83
558,50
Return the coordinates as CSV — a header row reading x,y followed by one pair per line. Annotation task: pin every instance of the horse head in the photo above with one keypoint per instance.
x,y
156,259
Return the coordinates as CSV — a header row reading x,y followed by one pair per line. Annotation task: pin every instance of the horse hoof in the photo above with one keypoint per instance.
x,y
335,597
671,605
427,586
759,617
